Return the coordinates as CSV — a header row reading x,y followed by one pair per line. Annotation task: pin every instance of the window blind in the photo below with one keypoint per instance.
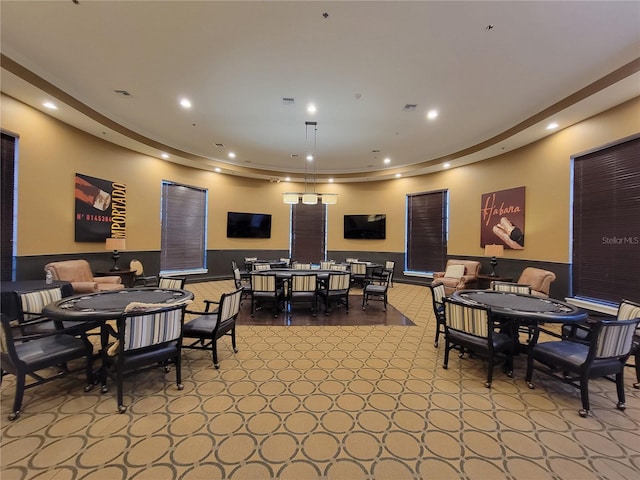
x,y
606,223
308,232
427,231
8,172
184,214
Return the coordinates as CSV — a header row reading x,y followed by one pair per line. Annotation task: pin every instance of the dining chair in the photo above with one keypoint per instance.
x,y
258,267
388,267
30,305
303,288
358,272
521,326
575,362
437,294
144,336
264,287
172,282
326,265
339,267
30,354
376,289
336,289
471,328
301,266
241,283
212,325
140,277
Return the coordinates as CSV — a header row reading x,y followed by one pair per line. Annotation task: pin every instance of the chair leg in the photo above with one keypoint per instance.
x,y
214,352
490,371
637,360
620,389
233,339
17,402
447,347
120,394
178,364
584,395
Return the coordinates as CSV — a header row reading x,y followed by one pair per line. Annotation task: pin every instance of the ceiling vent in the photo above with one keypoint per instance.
x,y
124,93
295,155
288,100
410,107
219,145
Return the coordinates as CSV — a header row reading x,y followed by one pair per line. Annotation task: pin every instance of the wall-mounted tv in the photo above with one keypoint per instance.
x,y
367,227
248,225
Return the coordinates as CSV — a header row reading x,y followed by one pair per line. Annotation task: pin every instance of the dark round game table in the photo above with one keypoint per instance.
x,y
525,308
108,305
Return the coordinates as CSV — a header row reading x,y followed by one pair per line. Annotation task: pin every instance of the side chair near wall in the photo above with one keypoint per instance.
x,y
78,272
437,294
471,328
211,325
574,362
29,354
141,279
145,336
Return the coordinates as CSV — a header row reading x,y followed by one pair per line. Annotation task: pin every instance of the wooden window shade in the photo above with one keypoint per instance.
x,y
606,223
184,214
427,231
308,232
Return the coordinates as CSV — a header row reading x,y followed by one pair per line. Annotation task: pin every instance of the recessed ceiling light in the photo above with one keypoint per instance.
x,y
231,155
551,126
446,165
311,108
287,179
310,157
432,114
185,103
217,169
331,180
398,175
50,105
387,160
164,155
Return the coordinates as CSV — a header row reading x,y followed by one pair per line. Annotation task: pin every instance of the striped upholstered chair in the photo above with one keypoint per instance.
x,y
609,346
303,288
145,336
172,282
213,324
471,328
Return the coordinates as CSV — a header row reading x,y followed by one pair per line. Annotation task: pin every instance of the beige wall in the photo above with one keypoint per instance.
x,y
50,153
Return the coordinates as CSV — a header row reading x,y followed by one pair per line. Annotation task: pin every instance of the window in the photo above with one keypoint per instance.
x,y
427,231
308,232
8,150
184,227
606,223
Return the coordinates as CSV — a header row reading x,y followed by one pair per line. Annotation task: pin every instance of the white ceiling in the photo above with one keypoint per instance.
x,y
360,66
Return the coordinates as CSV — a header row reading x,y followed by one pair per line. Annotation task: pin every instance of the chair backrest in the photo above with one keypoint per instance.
x,y
136,266
261,266
358,268
301,266
263,283
304,283
237,278
540,280
351,260
234,265
172,282
511,287
6,339
250,259
326,265
612,339
32,303
339,281
470,319
229,306
286,261
145,329
628,310
389,265
437,294
471,267
338,267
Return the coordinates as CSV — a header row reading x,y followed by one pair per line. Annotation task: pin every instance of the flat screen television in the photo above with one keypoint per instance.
x,y
367,227
248,225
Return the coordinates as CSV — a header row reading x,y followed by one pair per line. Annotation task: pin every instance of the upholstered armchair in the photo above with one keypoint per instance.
x,y
458,275
539,280
78,272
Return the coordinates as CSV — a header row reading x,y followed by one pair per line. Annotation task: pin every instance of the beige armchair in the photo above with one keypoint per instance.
x,y
458,275
540,280
78,272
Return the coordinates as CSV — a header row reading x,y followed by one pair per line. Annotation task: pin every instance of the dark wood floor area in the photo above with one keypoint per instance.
x,y
300,315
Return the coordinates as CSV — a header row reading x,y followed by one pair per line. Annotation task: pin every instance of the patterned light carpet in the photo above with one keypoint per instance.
x,y
324,402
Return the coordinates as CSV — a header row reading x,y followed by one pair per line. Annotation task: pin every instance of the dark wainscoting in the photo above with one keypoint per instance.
x,y
219,265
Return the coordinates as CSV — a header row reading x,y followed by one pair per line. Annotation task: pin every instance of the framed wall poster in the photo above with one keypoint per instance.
x,y
502,218
100,209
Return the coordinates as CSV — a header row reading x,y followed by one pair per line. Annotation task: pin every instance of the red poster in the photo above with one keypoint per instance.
x,y
502,218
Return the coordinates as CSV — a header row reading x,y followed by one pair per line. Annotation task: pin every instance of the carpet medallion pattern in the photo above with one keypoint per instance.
x,y
320,402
